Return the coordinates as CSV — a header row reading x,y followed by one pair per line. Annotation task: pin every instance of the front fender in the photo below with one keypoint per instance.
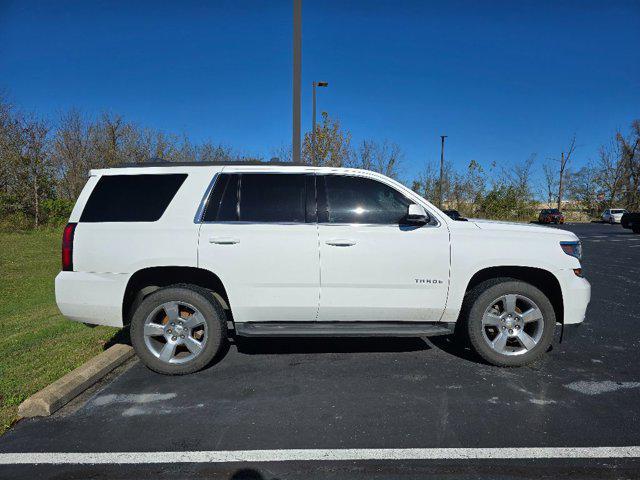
x,y
473,251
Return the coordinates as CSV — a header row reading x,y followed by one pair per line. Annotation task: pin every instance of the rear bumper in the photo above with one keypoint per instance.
x,y
576,294
94,298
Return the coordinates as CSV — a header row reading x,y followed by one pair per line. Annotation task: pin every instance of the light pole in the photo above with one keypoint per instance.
x,y
297,74
442,137
313,121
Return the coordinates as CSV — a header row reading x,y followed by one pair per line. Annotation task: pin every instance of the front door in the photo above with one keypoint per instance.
x,y
256,238
373,266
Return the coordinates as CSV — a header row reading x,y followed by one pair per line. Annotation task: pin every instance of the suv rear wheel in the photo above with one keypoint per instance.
x,y
510,323
178,330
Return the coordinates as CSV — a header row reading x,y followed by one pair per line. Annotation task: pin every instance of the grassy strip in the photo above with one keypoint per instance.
x,y
37,345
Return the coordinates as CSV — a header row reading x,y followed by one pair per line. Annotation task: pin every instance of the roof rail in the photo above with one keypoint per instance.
x,y
156,162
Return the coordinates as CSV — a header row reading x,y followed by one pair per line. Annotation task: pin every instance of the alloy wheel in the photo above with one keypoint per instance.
x,y
175,332
512,324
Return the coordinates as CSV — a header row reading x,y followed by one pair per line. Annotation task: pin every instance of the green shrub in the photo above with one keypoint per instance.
x,y
56,210
504,202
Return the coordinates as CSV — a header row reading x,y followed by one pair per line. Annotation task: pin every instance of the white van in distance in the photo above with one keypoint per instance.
x,y
185,253
613,215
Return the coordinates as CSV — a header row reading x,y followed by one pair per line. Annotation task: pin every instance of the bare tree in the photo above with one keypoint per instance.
x,y
583,186
26,175
208,152
72,153
611,171
363,156
427,183
186,151
564,161
36,164
630,158
107,136
383,157
521,174
282,153
550,182
10,145
468,187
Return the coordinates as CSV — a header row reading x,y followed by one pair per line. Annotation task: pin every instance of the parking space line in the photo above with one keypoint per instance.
x,y
609,239
230,456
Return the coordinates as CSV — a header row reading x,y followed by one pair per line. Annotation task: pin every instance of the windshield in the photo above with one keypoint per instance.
x,y
618,211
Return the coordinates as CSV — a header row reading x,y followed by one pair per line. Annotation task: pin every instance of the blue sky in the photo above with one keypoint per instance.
x,y
502,79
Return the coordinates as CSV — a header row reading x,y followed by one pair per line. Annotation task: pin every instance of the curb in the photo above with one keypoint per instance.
x,y
62,391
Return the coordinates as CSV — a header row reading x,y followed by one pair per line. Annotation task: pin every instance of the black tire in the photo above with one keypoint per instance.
x,y
635,229
205,303
481,297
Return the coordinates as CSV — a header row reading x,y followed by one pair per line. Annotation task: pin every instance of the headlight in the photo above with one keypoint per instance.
x,y
572,248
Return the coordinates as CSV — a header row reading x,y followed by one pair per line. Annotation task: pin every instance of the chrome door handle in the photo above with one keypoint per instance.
x,y
223,240
340,242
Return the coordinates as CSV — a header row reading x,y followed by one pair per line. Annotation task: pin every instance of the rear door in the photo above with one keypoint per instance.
x,y
374,267
260,237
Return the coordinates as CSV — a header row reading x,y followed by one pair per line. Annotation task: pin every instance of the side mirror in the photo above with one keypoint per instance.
x,y
417,215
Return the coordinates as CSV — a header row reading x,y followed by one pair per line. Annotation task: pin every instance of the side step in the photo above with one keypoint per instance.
x,y
343,329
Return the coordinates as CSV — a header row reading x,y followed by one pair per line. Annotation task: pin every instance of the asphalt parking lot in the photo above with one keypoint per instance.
x,y
336,394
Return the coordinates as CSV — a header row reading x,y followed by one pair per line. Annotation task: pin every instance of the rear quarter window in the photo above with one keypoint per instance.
x,y
131,198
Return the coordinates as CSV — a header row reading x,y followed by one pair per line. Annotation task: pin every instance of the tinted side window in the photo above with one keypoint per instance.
x,y
363,200
223,201
131,198
272,197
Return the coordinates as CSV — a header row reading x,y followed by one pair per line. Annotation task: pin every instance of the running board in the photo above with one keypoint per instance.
x,y
343,329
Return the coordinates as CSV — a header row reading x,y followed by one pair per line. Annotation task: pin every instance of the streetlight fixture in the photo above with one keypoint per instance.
x,y
313,121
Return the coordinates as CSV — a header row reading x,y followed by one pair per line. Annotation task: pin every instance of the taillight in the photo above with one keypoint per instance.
x,y
67,247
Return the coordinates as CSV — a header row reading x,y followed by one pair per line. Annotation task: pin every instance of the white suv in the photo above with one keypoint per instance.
x,y
185,252
613,215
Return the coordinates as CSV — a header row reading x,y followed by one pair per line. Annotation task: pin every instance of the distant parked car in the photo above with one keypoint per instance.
x,y
455,215
550,215
631,220
613,215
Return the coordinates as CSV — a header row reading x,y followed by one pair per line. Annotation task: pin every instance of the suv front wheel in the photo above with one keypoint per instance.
x,y
510,323
178,330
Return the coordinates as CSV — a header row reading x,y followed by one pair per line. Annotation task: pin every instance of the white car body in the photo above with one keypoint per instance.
x,y
613,215
308,272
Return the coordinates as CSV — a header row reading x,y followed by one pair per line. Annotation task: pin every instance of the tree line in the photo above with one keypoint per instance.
x,y
43,167
612,179
497,192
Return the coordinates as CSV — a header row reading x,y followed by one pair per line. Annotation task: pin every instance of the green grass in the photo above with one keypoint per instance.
x,y
37,344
